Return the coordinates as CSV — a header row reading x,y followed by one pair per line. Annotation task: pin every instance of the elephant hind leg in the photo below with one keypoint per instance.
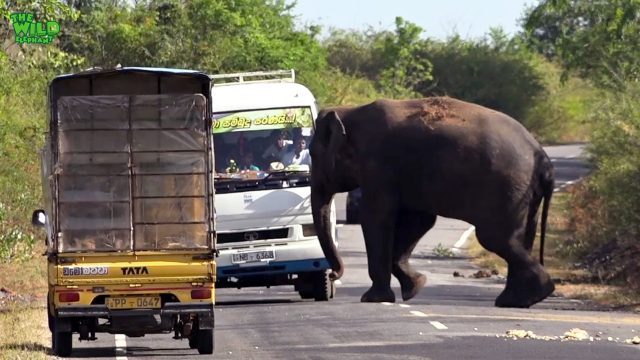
x,y
410,227
532,223
527,281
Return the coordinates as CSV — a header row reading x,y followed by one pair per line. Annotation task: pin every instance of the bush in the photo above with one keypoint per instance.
x,y
23,113
561,114
607,207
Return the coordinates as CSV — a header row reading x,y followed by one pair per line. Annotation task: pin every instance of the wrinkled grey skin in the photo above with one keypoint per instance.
x,y
416,159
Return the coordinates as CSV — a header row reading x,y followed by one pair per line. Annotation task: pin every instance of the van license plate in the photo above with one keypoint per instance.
x,y
253,256
133,302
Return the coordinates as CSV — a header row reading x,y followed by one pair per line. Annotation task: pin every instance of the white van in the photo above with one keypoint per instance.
x,y
262,125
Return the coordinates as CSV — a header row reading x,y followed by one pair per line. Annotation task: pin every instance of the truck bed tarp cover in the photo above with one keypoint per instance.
x,y
130,155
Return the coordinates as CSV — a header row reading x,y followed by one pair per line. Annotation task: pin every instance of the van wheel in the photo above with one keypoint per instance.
x,y
61,343
306,294
324,288
204,340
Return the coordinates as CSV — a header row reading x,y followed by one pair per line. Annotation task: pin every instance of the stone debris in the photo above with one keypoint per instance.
x,y
457,274
635,340
576,334
481,274
527,334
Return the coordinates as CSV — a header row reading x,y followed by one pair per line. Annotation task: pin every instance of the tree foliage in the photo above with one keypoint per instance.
x,y
493,71
213,36
596,39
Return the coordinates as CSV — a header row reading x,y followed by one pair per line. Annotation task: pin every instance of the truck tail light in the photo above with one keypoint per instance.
x,y
201,294
69,297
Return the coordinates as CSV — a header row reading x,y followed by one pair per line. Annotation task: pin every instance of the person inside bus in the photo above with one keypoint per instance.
x,y
277,149
247,162
299,155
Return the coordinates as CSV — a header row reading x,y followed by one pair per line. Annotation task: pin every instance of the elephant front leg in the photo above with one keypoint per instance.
x,y
410,228
378,223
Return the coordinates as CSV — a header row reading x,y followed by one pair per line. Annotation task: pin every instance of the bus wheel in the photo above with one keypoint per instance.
x,y
205,341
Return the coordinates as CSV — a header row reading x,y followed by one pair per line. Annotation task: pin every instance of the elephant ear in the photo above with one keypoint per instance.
x,y
335,136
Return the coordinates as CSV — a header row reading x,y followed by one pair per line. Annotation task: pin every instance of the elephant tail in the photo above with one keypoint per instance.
x,y
547,184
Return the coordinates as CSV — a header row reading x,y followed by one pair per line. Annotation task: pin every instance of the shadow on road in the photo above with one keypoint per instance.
x,y
255,302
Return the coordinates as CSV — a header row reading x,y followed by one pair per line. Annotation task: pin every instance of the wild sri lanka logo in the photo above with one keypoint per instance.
x,y
29,31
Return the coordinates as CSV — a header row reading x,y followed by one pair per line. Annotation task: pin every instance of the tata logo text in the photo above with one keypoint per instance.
x,y
136,270
84,270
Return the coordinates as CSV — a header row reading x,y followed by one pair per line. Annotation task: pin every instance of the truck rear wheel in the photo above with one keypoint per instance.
x,y
193,341
61,343
204,341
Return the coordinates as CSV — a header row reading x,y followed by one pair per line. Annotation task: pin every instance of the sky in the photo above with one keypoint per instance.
x,y
439,19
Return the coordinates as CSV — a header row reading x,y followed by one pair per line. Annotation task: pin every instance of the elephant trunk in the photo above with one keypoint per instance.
x,y
321,209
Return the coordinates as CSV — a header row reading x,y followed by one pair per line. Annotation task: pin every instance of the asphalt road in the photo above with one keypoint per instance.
x,y
452,318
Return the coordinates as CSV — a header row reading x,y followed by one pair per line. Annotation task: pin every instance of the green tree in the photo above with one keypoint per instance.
x,y
494,71
596,39
406,67
213,36
391,59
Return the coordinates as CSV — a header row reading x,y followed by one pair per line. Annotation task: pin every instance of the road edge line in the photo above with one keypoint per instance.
x,y
121,347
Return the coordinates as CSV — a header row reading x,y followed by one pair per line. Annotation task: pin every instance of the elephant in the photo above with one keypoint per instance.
x,y
419,158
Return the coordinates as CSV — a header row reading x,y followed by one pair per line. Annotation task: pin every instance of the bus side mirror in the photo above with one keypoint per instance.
x,y
38,218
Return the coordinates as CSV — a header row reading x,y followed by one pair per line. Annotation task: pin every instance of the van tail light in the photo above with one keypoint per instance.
x,y
201,294
69,297
308,230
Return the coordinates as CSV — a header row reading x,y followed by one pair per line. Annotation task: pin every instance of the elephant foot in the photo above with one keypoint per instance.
x,y
378,295
523,294
411,289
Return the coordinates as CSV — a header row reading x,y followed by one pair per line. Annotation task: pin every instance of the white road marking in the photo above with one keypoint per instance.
x,y
121,347
418,313
386,303
404,305
438,325
463,239
338,282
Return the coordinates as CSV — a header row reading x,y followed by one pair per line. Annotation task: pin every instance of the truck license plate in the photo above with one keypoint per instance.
x,y
253,256
133,302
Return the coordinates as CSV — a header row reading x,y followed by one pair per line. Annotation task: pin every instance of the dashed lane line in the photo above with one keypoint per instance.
x,y
438,325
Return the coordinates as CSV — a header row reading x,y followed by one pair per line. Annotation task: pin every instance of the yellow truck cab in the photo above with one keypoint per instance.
x,y
129,215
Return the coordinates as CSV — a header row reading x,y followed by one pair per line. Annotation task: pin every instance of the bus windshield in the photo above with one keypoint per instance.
x,y
252,144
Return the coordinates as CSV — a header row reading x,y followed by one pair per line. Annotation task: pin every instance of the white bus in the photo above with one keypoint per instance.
x,y
263,123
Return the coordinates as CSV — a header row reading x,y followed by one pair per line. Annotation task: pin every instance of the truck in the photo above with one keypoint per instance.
x,y
129,206
266,235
